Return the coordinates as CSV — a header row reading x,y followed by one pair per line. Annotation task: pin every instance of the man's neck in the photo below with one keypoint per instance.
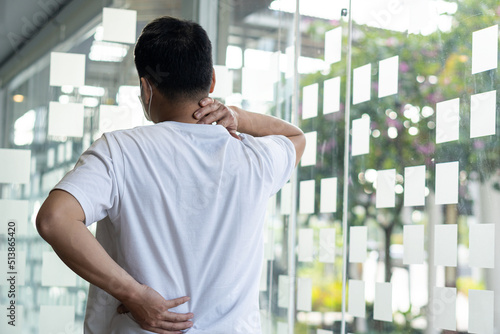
x,y
178,111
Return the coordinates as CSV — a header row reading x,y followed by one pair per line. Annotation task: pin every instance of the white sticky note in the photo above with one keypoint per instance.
x,y
60,153
447,120
282,328
485,49
483,114
331,95
356,303
382,308
361,136
257,85
15,166
447,183
304,294
263,277
327,245
283,291
444,308
5,327
386,182
333,45
223,82
286,199
67,69
310,101
51,157
482,245
358,236
309,156
69,150
445,245
306,199
328,200
306,241
322,331
481,311
56,319
361,89
388,76
119,25
414,189
413,244
66,120
14,210
55,272
19,269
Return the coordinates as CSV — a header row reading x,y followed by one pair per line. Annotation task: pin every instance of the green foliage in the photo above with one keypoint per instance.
x,y
464,284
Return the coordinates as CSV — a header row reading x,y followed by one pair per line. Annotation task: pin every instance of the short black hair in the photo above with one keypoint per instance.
x,y
176,56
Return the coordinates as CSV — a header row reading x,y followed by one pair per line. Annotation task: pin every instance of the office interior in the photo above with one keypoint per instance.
x,y
388,224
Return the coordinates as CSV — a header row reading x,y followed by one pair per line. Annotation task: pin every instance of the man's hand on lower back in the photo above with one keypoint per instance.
x,y
213,111
151,311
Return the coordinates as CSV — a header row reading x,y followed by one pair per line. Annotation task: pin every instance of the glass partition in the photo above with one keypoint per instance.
x,y
423,167
388,223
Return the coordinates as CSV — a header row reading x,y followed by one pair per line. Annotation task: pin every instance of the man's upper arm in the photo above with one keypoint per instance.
x,y
299,142
280,157
59,206
93,182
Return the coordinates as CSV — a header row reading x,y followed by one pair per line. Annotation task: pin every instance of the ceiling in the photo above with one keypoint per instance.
x,y
21,20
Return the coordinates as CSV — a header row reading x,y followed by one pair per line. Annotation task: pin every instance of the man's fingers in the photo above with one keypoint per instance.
x,y
206,101
213,116
228,123
235,135
207,105
178,301
175,326
178,317
122,309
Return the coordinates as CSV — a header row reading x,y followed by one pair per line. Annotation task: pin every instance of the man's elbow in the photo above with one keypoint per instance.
x,y
300,146
45,223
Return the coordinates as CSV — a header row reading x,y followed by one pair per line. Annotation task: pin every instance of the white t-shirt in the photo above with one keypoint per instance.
x,y
182,208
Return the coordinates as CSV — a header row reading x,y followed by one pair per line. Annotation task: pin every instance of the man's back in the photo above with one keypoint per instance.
x,y
185,206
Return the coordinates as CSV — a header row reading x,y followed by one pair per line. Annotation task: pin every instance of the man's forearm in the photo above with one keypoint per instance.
x,y
80,250
259,125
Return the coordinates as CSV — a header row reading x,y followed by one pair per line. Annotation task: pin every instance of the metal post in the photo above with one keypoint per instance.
x,y
345,210
292,222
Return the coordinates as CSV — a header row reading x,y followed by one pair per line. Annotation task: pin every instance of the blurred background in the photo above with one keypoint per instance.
x,y
388,224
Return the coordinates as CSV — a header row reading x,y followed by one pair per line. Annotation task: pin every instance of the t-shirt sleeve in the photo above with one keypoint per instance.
x,y
93,181
280,156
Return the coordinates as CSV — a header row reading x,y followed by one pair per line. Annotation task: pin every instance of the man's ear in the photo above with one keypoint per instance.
x,y
212,86
146,90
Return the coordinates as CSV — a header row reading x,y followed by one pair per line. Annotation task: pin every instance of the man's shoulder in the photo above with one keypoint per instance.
x,y
127,132
271,142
